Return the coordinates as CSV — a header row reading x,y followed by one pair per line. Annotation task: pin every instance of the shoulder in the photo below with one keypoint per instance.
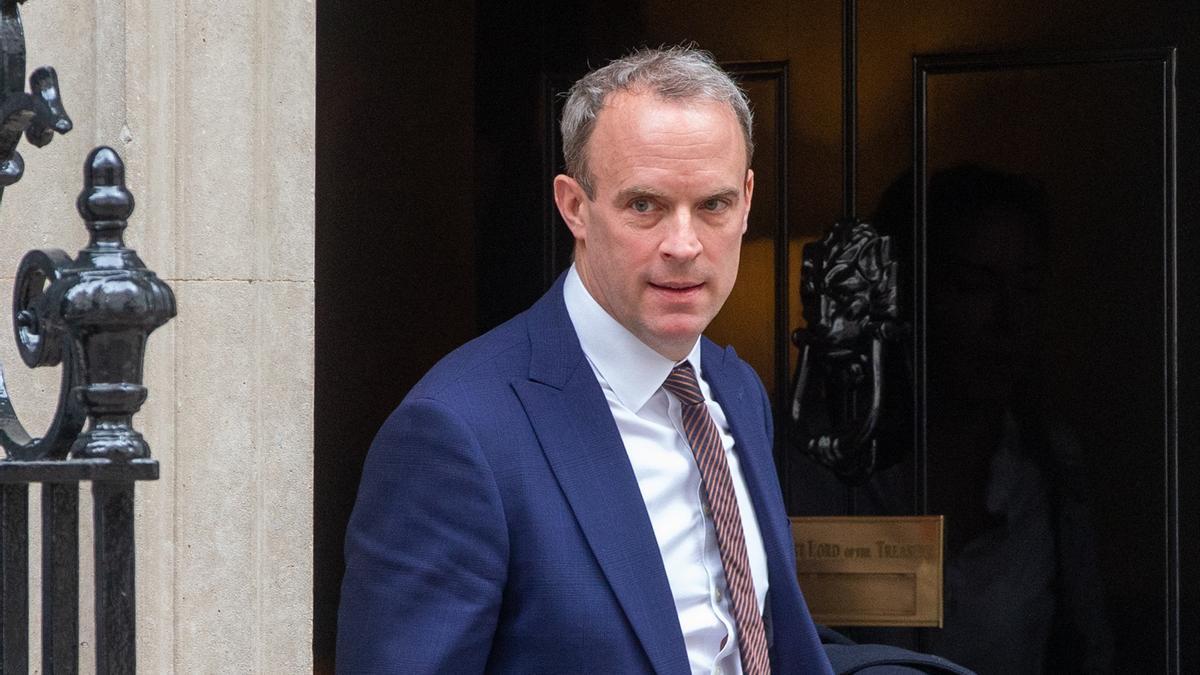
x,y
541,336
733,365
740,377
496,357
442,431
474,385
460,397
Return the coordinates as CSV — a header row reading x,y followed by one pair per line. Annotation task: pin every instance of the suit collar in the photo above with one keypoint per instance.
x,y
631,367
555,353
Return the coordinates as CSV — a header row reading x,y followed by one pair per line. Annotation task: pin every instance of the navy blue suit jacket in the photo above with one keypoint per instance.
x,y
499,526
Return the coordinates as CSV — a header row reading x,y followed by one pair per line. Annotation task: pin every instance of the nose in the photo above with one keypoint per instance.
x,y
681,241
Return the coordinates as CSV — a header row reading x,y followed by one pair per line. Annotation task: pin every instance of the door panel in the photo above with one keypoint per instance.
x,y
1049,284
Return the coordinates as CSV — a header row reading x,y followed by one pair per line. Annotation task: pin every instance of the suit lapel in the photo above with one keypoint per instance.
x,y
797,648
744,411
570,416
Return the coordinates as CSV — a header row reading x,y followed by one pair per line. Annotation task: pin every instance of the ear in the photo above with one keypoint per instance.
x,y
749,197
570,198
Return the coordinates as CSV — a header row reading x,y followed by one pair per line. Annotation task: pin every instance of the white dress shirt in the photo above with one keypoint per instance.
x,y
650,422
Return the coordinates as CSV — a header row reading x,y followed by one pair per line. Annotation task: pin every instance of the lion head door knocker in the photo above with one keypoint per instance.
x,y
848,287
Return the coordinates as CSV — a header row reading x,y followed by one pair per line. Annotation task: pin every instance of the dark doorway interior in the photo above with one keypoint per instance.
x,y
435,142
395,245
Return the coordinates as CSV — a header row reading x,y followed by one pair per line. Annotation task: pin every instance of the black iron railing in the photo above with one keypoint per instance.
x,y
92,315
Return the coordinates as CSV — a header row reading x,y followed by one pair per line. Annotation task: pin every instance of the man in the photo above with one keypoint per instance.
x,y
589,487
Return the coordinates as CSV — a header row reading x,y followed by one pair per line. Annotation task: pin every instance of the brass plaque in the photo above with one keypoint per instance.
x,y
871,570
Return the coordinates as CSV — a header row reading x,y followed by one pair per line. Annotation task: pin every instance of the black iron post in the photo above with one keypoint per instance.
x,y
115,615
108,302
60,577
93,315
14,579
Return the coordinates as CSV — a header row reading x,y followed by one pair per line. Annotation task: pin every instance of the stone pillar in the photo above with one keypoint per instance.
x,y
211,104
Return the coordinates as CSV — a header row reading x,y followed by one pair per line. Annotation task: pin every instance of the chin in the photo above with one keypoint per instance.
x,y
674,333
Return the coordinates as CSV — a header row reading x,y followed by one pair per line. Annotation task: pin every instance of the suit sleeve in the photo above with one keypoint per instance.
x,y
426,550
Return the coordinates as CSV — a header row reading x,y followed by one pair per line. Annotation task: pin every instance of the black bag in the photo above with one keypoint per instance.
x,y
850,658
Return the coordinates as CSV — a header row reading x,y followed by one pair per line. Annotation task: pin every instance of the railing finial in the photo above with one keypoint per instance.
x,y
110,302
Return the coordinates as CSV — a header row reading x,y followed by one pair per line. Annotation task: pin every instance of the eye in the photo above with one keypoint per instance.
x,y
715,204
641,205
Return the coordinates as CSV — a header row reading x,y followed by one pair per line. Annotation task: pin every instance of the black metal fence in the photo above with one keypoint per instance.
x,y
92,315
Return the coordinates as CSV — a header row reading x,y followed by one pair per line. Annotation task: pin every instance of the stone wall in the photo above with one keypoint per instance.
x,y
211,105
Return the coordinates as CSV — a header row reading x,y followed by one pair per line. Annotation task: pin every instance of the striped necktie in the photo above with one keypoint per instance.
x,y
705,440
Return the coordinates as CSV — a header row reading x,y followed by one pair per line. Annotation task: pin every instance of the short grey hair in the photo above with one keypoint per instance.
x,y
672,73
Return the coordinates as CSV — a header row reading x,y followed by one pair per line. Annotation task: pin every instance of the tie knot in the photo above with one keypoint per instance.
x,y
682,382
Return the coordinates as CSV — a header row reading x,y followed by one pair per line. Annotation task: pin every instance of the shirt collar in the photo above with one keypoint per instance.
x,y
633,370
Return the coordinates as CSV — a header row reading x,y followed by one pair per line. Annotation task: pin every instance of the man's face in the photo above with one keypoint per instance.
x,y
658,246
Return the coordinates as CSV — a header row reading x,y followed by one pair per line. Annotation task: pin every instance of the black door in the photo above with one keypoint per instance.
x,y
1044,271
1034,163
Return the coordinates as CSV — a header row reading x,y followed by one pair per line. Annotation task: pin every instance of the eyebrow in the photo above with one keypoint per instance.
x,y
635,191
727,193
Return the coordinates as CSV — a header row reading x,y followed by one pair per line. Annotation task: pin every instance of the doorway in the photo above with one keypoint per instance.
x,y
435,143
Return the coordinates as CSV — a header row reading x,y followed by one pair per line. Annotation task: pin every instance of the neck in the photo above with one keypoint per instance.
x,y
675,353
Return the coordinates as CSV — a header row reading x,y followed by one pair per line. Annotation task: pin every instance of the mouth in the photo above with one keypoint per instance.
x,y
679,294
677,288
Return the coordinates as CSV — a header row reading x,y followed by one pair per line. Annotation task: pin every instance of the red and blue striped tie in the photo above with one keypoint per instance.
x,y
703,436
